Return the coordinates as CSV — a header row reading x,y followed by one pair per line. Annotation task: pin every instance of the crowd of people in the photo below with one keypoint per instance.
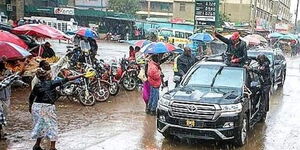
x,y
43,95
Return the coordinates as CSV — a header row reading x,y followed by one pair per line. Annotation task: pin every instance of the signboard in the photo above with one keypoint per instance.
x,y
64,11
205,12
91,3
9,7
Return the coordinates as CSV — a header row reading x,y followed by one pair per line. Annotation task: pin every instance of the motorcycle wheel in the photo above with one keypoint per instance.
x,y
114,89
86,101
129,83
101,93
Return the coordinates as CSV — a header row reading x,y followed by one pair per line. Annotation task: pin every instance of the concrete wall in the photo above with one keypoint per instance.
x,y
236,12
189,12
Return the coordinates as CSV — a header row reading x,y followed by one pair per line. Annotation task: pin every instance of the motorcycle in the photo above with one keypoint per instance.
x,y
109,71
77,90
127,74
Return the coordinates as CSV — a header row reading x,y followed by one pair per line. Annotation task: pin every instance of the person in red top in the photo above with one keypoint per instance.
x,y
154,78
131,53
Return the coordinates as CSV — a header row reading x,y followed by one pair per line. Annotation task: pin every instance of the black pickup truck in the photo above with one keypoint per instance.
x,y
213,101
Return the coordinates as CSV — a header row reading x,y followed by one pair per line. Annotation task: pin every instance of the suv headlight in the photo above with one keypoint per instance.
x,y
231,109
164,101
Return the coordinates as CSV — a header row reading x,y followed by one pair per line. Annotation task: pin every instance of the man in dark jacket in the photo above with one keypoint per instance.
x,y
264,71
94,48
184,63
236,52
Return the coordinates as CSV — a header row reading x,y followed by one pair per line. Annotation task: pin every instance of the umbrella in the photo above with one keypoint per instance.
x,y
12,51
141,43
288,37
40,31
87,32
252,40
8,37
158,48
205,37
259,37
274,35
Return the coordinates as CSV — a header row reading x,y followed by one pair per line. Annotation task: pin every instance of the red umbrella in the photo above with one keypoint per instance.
x,y
8,37
40,31
12,51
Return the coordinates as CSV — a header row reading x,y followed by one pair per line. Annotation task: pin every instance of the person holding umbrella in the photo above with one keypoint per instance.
x,y
154,78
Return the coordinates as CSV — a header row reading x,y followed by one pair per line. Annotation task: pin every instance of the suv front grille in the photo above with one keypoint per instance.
x,y
189,110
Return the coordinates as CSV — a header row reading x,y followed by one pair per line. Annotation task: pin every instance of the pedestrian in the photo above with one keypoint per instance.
x,y
264,71
7,78
184,62
236,52
43,65
131,53
154,78
94,48
46,51
41,106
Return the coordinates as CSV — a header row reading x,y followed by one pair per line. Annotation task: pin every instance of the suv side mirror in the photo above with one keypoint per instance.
x,y
255,84
276,62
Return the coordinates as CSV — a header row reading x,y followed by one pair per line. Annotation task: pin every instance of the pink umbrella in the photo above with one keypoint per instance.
x,y
12,51
40,31
8,37
252,40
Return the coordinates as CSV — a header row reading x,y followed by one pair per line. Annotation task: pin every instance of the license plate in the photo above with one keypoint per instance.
x,y
190,123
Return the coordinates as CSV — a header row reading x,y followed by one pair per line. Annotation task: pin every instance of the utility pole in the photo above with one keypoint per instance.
x,y
217,15
296,19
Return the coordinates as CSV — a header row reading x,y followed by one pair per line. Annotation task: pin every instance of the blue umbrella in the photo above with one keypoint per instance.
x,y
204,37
158,48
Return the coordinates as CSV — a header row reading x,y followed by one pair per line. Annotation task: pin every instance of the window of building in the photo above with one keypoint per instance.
x,y
182,7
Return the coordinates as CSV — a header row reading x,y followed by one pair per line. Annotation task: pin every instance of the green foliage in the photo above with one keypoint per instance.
x,y
224,18
124,6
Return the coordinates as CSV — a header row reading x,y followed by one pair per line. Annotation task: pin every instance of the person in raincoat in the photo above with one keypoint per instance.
x,y
41,106
236,52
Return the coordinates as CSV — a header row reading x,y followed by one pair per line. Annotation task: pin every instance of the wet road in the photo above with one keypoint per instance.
x,y
121,122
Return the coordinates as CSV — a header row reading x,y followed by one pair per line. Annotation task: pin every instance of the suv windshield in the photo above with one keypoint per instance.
x,y
226,77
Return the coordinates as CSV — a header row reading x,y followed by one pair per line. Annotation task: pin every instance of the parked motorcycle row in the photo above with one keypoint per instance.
x,y
105,78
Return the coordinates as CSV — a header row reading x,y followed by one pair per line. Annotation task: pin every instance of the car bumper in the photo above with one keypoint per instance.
x,y
211,130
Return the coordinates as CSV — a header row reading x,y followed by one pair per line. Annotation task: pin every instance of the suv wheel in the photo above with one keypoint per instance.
x,y
242,134
283,75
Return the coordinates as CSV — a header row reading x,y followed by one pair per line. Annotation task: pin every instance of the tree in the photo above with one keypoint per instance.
x,y
124,6
224,18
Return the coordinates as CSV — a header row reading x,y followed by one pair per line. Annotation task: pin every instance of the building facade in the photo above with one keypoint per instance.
x,y
261,15
167,9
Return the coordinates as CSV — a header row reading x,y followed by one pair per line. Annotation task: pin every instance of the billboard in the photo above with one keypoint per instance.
x,y
205,12
64,11
91,3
